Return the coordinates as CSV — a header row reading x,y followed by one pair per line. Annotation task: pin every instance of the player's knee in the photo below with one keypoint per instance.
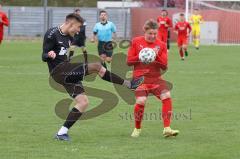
x,y
96,67
81,102
165,94
141,100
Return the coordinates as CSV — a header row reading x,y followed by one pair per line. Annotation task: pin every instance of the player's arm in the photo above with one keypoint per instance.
x,y
201,20
132,56
95,31
48,45
169,23
5,20
176,28
114,29
162,58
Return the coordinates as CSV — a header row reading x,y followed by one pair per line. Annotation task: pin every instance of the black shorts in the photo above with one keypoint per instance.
x,y
79,42
70,76
105,48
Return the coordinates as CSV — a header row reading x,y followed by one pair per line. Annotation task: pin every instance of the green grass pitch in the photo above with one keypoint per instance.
x,y
206,93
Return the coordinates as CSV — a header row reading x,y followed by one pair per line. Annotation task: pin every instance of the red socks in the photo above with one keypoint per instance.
x,y
138,115
181,52
166,111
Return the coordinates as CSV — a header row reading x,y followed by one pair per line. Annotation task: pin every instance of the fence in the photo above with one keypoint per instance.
x,y
31,21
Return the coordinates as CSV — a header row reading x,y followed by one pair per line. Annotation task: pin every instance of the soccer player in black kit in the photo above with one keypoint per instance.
x,y
56,43
80,37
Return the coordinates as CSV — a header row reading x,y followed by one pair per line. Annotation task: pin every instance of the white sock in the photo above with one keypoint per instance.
x,y
62,130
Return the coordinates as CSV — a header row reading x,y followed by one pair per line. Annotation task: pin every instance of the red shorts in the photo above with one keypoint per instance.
x,y
182,41
156,89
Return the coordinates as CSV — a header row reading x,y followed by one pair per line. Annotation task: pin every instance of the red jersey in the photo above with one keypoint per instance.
x,y
3,21
183,29
162,21
149,71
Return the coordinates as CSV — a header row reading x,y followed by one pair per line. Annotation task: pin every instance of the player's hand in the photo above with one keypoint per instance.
x,y
52,54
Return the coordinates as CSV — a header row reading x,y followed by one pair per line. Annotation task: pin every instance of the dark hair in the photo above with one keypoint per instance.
x,y
77,10
102,11
75,16
150,24
181,14
196,9
164,10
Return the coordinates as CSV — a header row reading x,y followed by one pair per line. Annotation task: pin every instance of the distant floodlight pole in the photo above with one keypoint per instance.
x,y
186,10
45,3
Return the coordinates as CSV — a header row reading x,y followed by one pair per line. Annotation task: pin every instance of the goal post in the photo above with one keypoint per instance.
x,y
221,20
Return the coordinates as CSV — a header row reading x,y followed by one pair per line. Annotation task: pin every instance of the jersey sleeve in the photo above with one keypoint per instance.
x,y
48,45
162,57
5,20
132,56
176,27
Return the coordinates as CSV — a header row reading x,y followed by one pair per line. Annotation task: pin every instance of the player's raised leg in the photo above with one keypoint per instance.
x,y
113,78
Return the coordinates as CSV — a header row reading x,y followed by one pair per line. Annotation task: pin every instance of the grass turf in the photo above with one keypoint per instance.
x,y
205,99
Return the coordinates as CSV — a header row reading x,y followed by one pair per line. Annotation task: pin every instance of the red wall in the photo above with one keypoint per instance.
x,y
229,28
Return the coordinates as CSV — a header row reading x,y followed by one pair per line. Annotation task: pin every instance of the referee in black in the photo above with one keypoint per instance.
x,y
57,41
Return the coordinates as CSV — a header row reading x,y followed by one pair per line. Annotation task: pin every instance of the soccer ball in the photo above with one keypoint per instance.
x,y
147,55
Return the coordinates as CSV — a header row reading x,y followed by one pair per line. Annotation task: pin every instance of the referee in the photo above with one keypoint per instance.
x,y
104,31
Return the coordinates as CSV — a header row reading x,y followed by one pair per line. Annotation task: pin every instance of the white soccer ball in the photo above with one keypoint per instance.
x,y
147,55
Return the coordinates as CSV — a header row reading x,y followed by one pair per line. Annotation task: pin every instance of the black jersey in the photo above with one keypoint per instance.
x,y
55,40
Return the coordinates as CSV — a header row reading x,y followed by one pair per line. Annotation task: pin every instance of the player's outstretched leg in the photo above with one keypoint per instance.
x,y
166,115
74,115
138,115
113,78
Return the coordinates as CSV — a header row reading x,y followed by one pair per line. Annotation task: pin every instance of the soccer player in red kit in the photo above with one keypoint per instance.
x,y
153,82
182,29
3,21
164,23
